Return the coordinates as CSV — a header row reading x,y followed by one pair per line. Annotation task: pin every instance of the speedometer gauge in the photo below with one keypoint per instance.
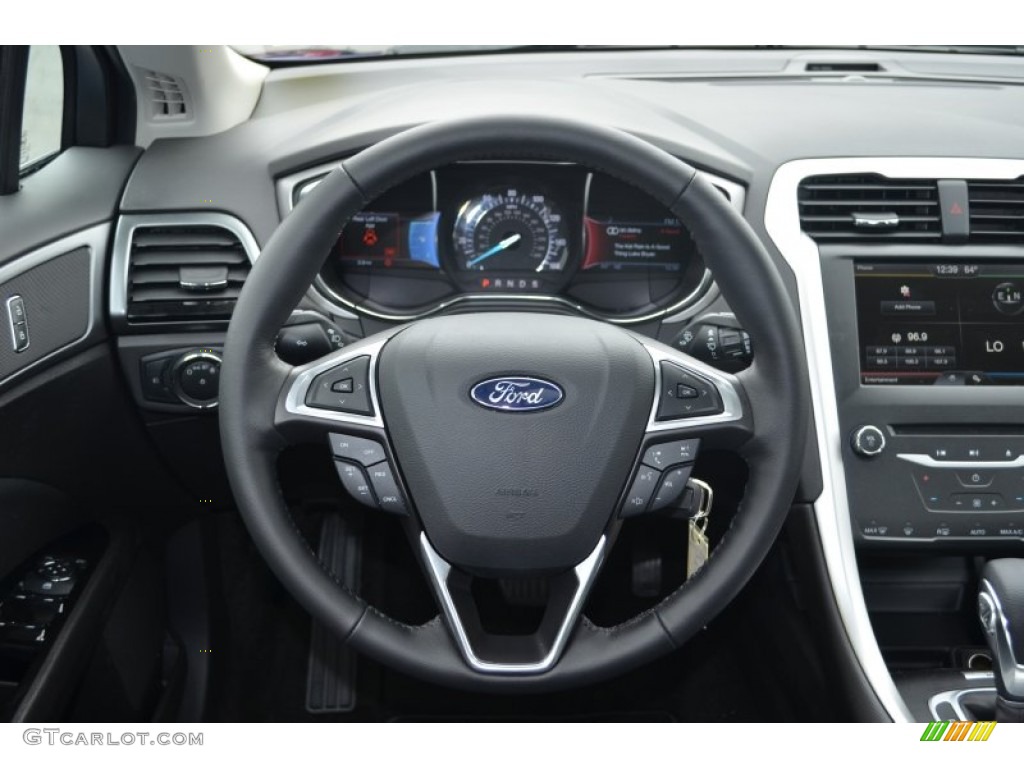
x,y
510,231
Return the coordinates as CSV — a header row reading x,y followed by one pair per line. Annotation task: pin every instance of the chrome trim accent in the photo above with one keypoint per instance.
x,y
180,363
128,223
342,306
997,628
295,400
952,698
725,383
96,240
439,570
285,185
924,460
978,675
831,509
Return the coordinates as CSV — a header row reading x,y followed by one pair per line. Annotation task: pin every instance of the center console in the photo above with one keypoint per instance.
x,y
927,347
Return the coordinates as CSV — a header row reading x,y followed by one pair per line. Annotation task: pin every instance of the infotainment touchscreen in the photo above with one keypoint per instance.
x,y
940,323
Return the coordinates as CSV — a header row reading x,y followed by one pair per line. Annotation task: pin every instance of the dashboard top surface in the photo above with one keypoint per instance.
x,y
740,117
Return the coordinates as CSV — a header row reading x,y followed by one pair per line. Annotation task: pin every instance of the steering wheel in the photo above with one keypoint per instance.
x,y
513,444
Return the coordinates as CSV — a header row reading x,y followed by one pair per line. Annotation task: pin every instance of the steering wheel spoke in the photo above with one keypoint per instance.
x,y
502,654
695,408
334,402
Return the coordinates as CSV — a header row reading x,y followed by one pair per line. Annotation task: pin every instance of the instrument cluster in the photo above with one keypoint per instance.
x,y
515,232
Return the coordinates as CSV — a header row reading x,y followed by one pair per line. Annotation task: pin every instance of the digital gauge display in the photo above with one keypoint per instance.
x,y
382,239
633,244
510,230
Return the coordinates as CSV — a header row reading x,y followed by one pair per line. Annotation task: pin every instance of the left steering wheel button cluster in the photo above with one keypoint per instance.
x,y
654,489
684,394
345,388
364,471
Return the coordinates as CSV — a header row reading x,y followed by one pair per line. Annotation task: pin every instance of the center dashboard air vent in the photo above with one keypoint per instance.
x,y
869,207
184,272
996,211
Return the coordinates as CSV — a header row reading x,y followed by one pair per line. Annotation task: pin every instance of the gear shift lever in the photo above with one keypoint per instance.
x,y
1001,610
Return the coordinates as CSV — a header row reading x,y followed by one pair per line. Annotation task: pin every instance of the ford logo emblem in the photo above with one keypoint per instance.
x,y
517,393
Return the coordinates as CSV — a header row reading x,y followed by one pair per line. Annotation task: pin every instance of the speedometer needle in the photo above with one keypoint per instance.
x,y
508,242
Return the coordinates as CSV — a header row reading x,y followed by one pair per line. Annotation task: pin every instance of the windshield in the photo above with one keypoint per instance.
x,y
311,54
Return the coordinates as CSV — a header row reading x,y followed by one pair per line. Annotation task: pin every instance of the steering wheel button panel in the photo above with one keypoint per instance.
x,y
358,449
673,483
665,455
355,482
345,388
640,493
684,394
389,498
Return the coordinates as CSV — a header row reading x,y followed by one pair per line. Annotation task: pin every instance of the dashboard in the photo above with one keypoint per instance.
x,y
518,232
896,242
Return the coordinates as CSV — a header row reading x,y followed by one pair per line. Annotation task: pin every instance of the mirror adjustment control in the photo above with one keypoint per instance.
x,y
867,441
344,388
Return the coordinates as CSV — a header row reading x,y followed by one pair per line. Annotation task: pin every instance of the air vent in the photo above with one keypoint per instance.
x,y
184,273
844,67
869,207
996,211
167,97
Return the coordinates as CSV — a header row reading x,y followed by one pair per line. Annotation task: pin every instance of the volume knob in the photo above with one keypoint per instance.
x,y
868,441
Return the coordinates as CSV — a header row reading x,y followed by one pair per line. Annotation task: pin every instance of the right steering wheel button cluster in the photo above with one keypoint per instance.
x,y
364,471
685,394
654,489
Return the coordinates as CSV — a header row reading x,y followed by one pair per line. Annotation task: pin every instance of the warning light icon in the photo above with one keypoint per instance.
x,y
956,210
370,237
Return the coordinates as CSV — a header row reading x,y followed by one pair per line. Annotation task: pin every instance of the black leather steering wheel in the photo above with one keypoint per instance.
x,y
527,491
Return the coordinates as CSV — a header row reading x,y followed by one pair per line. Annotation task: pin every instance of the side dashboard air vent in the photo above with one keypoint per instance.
x,y
190,273
996,211
167,97
869,207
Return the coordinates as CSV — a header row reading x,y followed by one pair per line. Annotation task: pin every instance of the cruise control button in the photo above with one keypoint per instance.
x,y
366,452
345,388
388,496
673,404
640,492
355,482
665,455
673,483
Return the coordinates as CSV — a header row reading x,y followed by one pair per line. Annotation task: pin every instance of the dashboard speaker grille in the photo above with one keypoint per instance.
x,y
184,273
869,207
996,211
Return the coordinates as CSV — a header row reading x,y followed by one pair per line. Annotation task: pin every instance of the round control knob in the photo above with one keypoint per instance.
x,y
195,378
867,441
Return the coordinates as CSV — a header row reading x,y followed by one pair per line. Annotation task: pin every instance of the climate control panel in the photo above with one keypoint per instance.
x,y
931,484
